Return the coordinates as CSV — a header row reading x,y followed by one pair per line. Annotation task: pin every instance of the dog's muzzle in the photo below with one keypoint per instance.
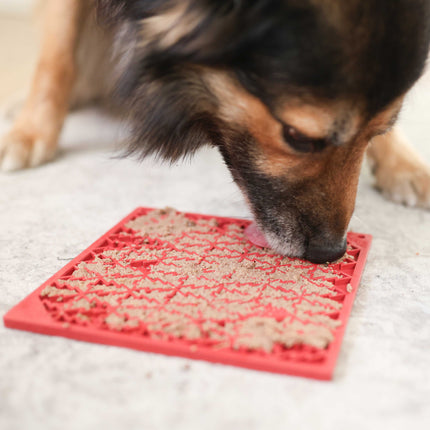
x,y
317,251
323,252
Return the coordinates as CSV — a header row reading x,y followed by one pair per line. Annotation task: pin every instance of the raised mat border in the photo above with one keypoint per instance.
x,y
31,315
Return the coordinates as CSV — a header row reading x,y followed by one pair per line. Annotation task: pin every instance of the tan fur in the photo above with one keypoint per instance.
x,y
310,120
33,138
69,72
400,173
276,157
332,176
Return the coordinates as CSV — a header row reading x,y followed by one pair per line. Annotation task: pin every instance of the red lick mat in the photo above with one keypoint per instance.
x,y
193,286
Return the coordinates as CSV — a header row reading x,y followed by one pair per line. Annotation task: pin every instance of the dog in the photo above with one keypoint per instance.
x,y
290,91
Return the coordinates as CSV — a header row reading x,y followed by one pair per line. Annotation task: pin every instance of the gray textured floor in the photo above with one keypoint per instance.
x,y
50,214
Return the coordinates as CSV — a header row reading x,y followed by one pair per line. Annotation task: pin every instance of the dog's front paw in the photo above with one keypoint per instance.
x,y
19,150
406,182
10,108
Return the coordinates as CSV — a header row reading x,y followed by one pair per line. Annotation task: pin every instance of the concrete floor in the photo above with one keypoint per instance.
x,y
50,214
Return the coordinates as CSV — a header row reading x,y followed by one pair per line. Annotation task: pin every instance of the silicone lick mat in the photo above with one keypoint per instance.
x,y
203,292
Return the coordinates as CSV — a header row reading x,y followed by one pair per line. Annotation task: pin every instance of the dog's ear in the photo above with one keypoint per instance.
x,y
209,32
200,31
169,108
171,115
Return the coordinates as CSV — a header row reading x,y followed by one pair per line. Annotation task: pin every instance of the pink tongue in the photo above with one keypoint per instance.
x,y
255,236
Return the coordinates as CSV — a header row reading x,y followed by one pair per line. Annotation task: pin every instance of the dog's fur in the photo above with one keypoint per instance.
x,y
290,91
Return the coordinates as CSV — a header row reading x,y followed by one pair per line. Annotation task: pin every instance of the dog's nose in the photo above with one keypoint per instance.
x,y
321,253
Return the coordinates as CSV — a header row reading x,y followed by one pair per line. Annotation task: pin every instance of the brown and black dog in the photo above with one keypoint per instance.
x,y
290,91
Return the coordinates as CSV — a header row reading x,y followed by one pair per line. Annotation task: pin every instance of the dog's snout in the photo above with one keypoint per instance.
x,y
323,252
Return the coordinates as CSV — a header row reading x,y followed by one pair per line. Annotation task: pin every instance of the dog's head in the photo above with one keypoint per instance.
x,y
291,91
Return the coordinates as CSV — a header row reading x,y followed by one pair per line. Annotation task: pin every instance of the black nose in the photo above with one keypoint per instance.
x,y
323,253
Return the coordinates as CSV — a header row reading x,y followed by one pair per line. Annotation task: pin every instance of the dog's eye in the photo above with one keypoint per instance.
x,y
302,143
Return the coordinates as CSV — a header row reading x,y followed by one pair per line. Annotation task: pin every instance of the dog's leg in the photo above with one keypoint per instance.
x,y
400,173
34,134
11,107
